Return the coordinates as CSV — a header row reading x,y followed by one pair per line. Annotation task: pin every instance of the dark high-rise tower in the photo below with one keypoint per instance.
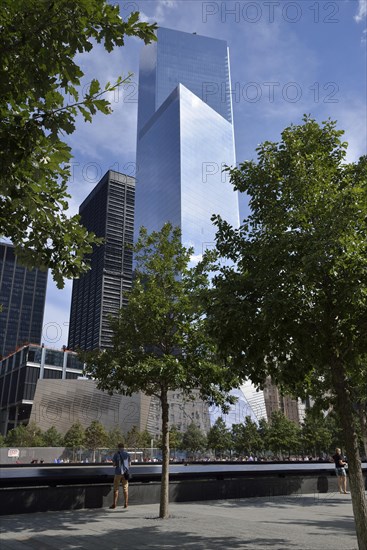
x,y
108,211
22,297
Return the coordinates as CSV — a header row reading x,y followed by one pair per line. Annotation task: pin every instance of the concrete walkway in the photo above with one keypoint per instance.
x,y
304,522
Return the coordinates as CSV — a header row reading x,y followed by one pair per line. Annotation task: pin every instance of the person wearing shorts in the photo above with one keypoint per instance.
x,y
341,473
120,459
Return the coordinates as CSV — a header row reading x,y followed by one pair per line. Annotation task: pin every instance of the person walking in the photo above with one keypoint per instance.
x,y
341,473
121,461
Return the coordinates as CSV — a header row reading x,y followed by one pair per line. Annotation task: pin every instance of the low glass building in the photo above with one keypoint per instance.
x,y
19,374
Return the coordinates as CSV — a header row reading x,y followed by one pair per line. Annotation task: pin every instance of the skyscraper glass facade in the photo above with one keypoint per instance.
x,y
185,137
22,297
108,211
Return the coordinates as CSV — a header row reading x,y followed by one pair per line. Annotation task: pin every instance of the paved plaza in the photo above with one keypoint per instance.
x,y
304,522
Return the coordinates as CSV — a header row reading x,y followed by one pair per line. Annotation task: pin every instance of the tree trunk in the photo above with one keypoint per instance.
x,y
363,421
344,407
163,510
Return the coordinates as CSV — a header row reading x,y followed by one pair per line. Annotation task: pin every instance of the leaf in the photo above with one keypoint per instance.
x,y
94,87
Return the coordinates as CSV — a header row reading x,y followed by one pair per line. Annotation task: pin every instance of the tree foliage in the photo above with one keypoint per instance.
x,y
75,436
219,437
25,436
246,438
39,103
160,342
175,438
136,439
52,438
194,439
114,437
95,435
284,435
317,436
294,304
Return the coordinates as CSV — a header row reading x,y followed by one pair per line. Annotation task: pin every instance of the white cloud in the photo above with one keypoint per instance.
x,y
195,259
362,11
362,16
160,10
352,119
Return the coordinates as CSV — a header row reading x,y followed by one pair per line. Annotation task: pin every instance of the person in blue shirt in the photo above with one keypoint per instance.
x,y
121,461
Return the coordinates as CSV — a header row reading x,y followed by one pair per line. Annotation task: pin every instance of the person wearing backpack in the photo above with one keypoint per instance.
x,y
121,461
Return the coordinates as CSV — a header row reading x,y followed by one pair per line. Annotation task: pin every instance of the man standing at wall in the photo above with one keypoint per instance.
x,y
121,462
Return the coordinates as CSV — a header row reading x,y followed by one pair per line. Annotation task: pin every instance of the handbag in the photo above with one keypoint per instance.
x,y
126,474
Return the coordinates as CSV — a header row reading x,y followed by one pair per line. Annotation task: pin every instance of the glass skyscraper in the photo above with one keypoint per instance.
x,y
185,136
22,297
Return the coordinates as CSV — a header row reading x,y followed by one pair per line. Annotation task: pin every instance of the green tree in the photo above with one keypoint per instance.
x,y
251,436
219,438
40,99
95,436
133,438
52,438
362,414
238,439
175,439
115,436
160,342
283,435
316,436
145,439
2,441
16,437
332,424
136,439
194,440
25,436
294,304
263,431
74,438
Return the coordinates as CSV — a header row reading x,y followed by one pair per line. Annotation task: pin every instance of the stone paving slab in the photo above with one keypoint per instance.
x,y
298,522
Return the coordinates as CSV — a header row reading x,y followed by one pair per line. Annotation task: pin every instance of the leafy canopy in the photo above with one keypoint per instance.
x,y
194,440
294,305
39,103
160,340
295,302
219,437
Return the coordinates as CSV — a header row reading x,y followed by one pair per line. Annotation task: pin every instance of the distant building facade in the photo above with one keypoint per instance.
x,y
19,374
61,403
22,297
108,211
47,386
293,409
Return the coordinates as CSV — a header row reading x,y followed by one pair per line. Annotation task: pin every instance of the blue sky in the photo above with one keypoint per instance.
x,y
287,58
